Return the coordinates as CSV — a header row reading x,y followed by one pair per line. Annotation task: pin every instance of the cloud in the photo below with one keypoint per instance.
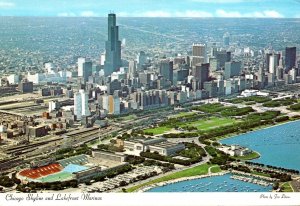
x,y
222,13
88,14
156,14
5,4
161,13
66,14
193,13
256,14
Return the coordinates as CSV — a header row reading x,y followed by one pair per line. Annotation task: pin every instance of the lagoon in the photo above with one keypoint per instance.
x,y
278,145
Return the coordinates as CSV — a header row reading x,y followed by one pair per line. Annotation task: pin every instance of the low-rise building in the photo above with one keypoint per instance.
x,y
235,150
160,145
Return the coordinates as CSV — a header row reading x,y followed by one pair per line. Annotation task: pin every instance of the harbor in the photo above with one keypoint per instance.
x,y
220,182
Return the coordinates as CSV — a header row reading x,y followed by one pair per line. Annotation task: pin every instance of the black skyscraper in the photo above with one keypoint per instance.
x,y
290,58
113,47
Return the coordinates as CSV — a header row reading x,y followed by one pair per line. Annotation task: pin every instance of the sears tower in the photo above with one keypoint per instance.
x,y
113,47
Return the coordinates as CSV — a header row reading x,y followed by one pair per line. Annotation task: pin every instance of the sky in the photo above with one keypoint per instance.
x,y
153,8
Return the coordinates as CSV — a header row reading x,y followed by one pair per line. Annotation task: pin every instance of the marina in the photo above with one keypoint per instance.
x,y
218,183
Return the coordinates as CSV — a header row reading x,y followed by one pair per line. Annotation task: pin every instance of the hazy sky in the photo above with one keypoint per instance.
x,y
153,8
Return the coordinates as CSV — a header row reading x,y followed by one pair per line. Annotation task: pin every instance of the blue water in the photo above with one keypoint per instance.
x,y
279,146
212,184
71,168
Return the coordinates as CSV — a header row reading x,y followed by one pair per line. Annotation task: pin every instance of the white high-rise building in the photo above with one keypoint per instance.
x,y
105,102
132,68
81,106
80,63
102,59
273,63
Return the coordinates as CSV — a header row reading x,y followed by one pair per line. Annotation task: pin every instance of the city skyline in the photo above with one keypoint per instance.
x,y
131,105
151,8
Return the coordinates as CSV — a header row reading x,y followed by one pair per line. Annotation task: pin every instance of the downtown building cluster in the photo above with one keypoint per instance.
x,y
114,85
144,83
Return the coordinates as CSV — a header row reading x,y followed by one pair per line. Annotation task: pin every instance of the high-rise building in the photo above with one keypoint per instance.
x,y
132,69
112,47
273,63
81,107
201,73
197,60
85,68
166,69
222,57
290,58
113,104
141,59
232,69
226,39
199,50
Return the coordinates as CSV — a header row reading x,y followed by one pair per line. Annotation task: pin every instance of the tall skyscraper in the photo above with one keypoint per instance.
x,y
141,60
166,69
81,107
132,69
273,63
290,58
113,47
85,68
199,50
232,69
226,39
201,73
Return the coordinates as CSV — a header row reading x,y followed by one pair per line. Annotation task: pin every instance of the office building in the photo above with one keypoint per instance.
x,y
201,73
132,68
114,105
85,68
166,69
290,58
199,50
141,60
232,69
226,39
273,63
81,107
112,47
25,86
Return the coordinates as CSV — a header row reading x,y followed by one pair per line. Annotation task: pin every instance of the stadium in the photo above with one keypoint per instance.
x,y
80,167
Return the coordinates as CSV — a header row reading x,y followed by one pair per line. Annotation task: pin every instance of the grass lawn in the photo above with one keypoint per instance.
x,y
287,187
251,156
198,170
182,114
215,169
202,124
158,130
260,173
207,124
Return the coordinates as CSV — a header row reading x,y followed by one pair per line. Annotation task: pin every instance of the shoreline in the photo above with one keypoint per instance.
x,y
257,129
148,187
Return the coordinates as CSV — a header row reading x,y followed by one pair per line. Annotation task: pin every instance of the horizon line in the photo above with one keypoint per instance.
x,y
149,17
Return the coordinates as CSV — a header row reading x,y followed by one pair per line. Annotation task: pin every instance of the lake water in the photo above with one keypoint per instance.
x,y
212,184
278,145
